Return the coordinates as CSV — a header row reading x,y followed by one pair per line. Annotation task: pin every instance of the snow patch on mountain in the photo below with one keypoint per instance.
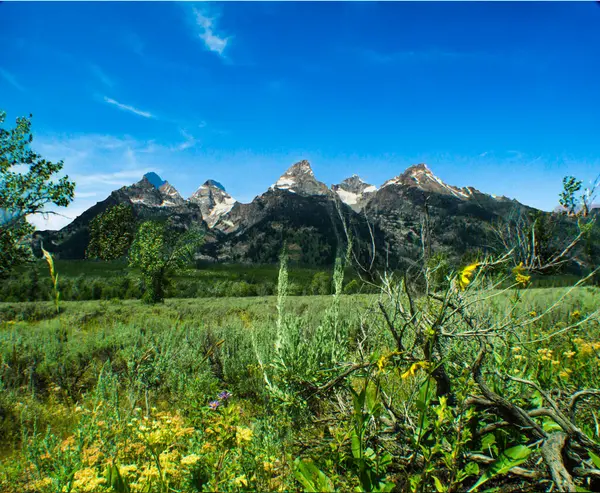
x,y
213,200
354,191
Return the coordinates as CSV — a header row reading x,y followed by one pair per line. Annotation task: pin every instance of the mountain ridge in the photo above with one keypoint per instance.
x,y
314,220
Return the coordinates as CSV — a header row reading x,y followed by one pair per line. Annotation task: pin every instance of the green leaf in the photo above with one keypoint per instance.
x,y
356,447
595,459
487,441
537,400
313,479
438,485
115,480
508,459
550,425
472,469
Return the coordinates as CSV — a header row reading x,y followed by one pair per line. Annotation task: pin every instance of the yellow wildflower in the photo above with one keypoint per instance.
x,y
569,354
413,369
87,480
464,279
39,484
566,373
190,460
68,443
521,278
533,314
128,469
92,455
381,362
576,315
516,349
243,434
241,480
208,447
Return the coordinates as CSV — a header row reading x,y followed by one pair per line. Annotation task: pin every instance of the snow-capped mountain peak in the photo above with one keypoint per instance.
x,y
213,200
420,176
299,178
354,191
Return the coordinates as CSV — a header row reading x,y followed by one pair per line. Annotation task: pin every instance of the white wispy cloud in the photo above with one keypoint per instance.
x,y
101,76
117,178
11,79
190,141
126,107
208,31
98,164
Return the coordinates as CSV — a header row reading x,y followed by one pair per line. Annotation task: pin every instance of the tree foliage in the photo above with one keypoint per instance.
x,y
25,189
111,233
157,251
568,199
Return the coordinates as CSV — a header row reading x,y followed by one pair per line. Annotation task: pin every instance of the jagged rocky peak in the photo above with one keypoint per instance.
x,y
171,195
213,200
153,191
354,191
421,177
300,179
154,179
355,184
213,183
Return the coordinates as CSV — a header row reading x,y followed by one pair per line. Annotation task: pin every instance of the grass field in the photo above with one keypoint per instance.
x,y
228,394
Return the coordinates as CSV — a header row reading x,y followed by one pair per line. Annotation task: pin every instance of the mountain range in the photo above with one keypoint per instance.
x,y
313,220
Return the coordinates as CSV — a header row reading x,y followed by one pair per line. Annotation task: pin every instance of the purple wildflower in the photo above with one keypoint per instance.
x,y
223,396
214,405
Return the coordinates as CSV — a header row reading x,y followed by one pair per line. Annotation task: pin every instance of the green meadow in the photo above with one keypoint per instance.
x,y
287,393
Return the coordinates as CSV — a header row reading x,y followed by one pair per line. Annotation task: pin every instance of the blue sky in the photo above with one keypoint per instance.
x,y
501,96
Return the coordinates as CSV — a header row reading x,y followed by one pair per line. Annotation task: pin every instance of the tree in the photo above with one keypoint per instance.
x,y
25,189
320,284
567,197
157,251
111,233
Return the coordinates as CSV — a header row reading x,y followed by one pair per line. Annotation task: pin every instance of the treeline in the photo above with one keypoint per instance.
x,y
34,284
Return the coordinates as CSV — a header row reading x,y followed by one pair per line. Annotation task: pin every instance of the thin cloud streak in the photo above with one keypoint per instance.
x,y
101,76
126,107
11,79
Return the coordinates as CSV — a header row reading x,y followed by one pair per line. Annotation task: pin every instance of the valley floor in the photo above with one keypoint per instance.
x,y
206,394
